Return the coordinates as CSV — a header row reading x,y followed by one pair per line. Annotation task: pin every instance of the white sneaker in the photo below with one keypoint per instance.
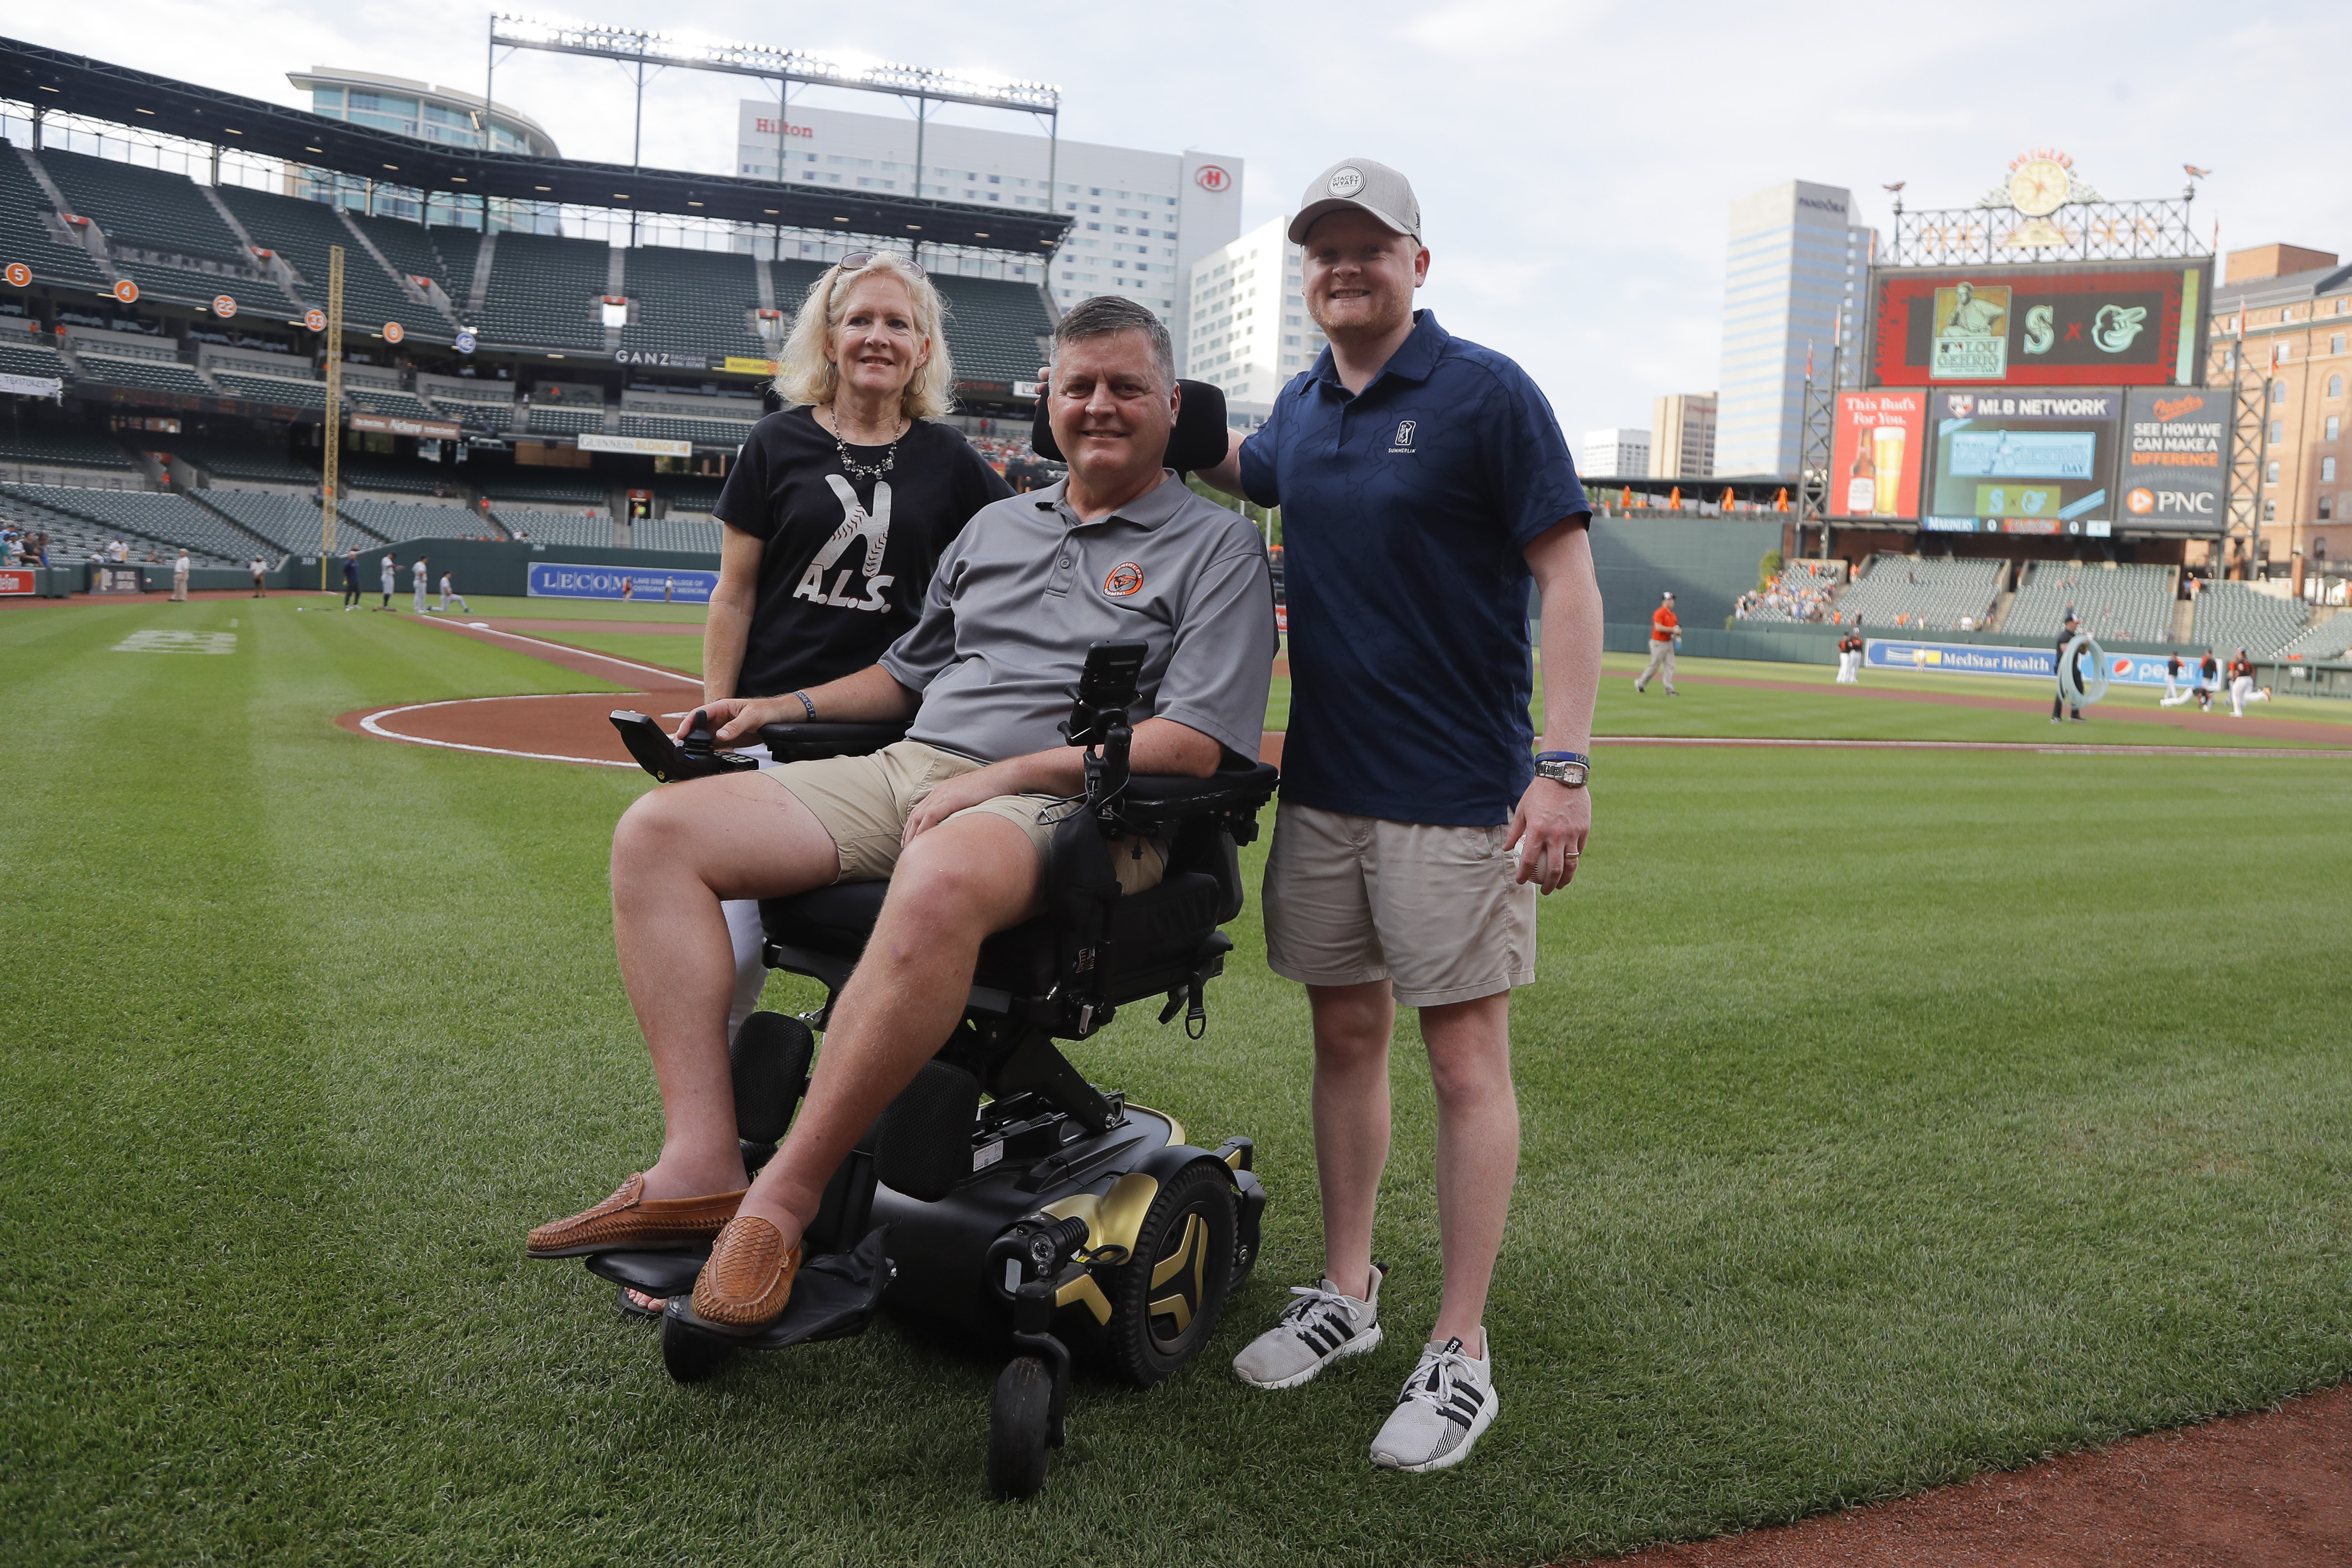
x,y
1324,1325
1447,1404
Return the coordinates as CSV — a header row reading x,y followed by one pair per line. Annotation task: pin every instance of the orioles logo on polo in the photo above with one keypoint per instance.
x,y
1125,579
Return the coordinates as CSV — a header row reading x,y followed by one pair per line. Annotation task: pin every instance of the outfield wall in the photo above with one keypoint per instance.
x,y
487,566
1707,562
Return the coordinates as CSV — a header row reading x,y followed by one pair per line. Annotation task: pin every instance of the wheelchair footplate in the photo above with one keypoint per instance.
x,y
834,1297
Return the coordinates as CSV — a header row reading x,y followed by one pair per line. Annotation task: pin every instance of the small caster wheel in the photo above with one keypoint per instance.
x,y
691,1356
1016,1429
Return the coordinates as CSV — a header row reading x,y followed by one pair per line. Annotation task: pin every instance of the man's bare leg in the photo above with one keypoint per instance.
x,y
1477,1152
1353,1025
677,852
955,884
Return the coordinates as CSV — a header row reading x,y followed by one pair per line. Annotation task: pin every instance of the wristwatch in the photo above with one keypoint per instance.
x,y
1567,768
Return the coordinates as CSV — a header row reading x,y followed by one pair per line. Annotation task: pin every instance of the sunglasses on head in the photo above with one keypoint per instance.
x,y
859,260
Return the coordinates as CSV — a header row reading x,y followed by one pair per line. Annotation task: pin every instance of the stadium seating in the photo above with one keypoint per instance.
x,y
1803,591
289,522
542,290
790,283
27,239
396,521
23,354
1928,592
458,249
411,250
163,213
147,374
2330,638
513,489
66,447
564,421
172,519
400,478
75,538
555,527
388,400
252,461
689,493
691,302
992,328
289,391
723,434
698,534
2233,615
2114,604
301,231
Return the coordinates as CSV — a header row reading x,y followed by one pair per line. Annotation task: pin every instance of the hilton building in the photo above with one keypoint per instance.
x,y
1795,260
1140,219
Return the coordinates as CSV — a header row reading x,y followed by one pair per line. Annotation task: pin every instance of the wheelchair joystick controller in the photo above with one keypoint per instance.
x,y
665,759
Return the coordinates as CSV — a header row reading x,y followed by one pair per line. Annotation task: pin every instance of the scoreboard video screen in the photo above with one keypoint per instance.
x,y
2023,460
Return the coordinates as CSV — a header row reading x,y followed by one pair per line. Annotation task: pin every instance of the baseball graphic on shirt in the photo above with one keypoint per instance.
x,y
855,522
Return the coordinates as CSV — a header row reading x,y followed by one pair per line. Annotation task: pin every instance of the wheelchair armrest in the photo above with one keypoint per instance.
x,y
809,742
1152,801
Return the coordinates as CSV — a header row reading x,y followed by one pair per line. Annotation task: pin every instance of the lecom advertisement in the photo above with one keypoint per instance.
x,y
1877,445
2089,324
2024,461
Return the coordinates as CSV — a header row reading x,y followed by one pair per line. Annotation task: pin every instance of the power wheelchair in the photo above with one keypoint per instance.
x,y
1002,1196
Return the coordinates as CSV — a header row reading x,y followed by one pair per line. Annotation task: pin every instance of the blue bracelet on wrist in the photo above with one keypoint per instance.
x,y
1563,757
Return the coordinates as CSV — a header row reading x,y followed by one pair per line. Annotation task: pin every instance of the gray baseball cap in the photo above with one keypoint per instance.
x,y
1364,185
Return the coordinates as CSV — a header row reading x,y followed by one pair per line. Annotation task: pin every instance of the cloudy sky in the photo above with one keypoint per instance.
x,y
1575,160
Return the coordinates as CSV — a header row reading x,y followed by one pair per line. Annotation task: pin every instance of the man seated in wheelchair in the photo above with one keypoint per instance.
x,y
958,817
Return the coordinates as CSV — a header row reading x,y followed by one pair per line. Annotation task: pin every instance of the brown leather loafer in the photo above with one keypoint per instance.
x,y
630,1221
750,1275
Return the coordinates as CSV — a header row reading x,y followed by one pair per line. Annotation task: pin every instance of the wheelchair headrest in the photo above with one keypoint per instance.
x,y
1198,441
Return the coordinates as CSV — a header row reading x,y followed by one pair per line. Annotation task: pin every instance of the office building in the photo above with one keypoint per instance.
x,y
2284,313
1795,261
1141,219
1247,328
1683,446
1614,454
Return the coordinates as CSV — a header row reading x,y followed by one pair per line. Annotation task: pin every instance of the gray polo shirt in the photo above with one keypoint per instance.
x,y
1027,587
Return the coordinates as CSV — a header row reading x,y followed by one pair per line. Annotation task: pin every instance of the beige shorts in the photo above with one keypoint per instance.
x,y
864,802
1437,912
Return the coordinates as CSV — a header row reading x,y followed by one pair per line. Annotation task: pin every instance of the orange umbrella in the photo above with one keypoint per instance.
x,y
1782,504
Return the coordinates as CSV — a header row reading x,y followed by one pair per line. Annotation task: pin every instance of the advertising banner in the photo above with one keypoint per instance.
x,y
392,424
2135,324
1960,659
2030,460
2147,670
2173,470
13,580
32,385
737,364
554,580
1877,443
649,445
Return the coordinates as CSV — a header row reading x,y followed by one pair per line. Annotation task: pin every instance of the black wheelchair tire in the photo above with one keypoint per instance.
x,y
689,1356
1190,1224
1017,1423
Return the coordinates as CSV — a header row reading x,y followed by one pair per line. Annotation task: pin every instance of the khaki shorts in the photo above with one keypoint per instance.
x,y
1438,912
864,802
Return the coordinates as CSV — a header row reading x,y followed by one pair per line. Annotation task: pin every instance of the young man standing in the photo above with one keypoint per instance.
x,y
350,580
1665,636
1423,482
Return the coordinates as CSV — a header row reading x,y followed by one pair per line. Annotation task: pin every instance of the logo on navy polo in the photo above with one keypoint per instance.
x,y
1404,431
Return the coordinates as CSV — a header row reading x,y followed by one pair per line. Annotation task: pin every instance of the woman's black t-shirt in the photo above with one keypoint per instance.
x,y
847,560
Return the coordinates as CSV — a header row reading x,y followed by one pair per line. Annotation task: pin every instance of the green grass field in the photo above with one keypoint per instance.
x,y
1890,1115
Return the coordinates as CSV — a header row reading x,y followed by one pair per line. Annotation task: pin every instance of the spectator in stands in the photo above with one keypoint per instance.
x,y
1849,659
834,516
2242,689
1665,636
390,582
260,570
350,580
2059,706
180,577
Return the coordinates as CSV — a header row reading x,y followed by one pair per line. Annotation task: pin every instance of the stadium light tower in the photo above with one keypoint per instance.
x,y
638,50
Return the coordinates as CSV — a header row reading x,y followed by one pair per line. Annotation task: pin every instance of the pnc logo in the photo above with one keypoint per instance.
x,y
2174,408
1211,178
2141,500
1125,579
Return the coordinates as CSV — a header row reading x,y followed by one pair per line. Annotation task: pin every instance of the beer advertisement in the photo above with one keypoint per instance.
x,y
2173,475
2140,323
2037,461
1875,455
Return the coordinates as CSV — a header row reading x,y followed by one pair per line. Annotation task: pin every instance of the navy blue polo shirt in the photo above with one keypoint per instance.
x,y
1405,512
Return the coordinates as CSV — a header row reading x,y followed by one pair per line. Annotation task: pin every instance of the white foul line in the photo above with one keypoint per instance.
x,y
370,725
580,652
